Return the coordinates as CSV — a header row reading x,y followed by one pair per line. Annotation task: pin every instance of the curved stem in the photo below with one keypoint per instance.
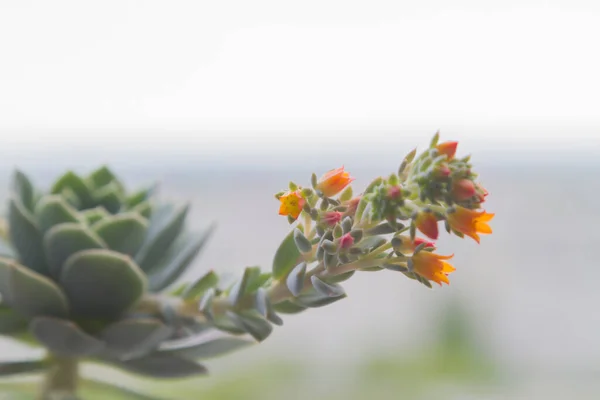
x,y
61,378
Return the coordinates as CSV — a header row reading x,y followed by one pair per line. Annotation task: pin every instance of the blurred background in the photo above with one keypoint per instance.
x,y
226,102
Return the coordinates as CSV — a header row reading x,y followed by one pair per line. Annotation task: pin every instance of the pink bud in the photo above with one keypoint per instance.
x,y
346,241
332,218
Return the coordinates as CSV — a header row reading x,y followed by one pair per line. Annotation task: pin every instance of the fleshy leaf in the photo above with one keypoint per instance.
x,y
102,177
123,233
314,299
287,307
64,240
93,215
197,289
295,280
109,196
64,337
102,283
177,259
159,365
72,181
26,237
139,197
11,321
135,337
53,210
165,226
251,322
200,348
22,367
327,289
29,293
23,189
286,257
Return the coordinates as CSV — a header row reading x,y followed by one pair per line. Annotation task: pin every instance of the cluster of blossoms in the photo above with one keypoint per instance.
x,y
377,230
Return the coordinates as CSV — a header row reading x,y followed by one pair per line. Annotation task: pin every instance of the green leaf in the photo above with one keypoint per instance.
x,y
53,210
302,243
205,304
177,259
102,177
26,237
64,338
207,348
314,299
23,189
286,257
29,293
11,321
287,307
102,283
237,292
123,233
22,367
295,280
197,289
72,181
257,280
327,289
93,215
144,209
135,337
64,240
110,197
139,197
339,278
165,226
251,322
159,365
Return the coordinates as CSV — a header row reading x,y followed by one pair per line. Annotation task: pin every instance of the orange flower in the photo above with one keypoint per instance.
x,y
463,189
334,182
433,267
447,148
291,204
470,222
427,223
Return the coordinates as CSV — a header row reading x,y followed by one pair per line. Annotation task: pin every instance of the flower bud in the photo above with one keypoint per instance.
x,y
394,192
427,224
463,189
334,181
346,241
447,148
331,218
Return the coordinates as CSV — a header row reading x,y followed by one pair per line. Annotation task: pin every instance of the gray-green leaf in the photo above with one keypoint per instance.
x,y
102,283
64,337
29,293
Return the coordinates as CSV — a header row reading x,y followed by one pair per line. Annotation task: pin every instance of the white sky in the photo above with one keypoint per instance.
x,y
209,74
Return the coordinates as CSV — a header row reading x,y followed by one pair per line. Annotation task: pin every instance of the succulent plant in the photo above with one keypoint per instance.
x,y
78,263
91,272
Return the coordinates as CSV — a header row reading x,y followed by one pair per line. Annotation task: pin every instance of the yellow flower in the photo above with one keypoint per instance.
x,y
334,182
433,267
291,203
470,222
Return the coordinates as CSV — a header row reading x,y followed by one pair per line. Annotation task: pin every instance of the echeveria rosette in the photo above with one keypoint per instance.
x,y
79,265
